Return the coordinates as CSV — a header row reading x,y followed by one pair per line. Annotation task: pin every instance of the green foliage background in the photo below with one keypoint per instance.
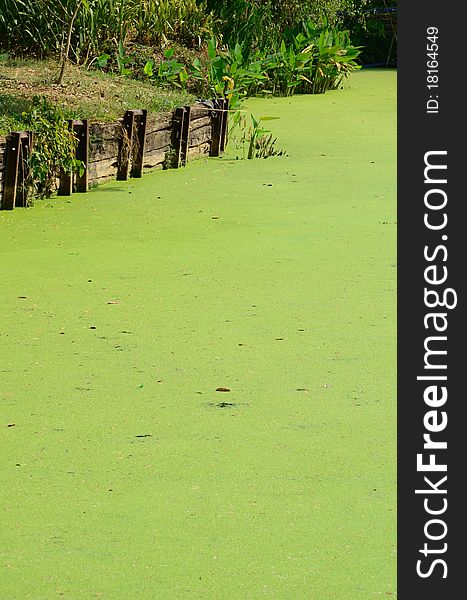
x,y
38,27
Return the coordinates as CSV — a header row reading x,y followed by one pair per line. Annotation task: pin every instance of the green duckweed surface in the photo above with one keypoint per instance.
x,y
125,474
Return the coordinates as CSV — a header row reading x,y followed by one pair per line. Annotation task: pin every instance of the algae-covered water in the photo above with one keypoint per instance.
x,y
124,473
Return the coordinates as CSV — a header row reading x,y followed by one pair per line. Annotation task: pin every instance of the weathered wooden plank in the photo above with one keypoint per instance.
x,y
102,132
199,151
93,183
156,167
203,122
103,164
105,137
153,159
160,121
100,150
156,129
199,111
113,131
158,139
200,136
103,168
157,152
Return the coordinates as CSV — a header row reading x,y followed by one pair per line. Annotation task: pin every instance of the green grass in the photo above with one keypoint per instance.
x,y
89,94
287,297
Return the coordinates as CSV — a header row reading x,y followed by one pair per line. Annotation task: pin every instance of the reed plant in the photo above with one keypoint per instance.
x,y
38,27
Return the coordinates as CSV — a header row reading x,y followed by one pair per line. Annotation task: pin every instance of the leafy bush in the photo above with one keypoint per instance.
x,y
333,57
228,72
169,71
262,23
54,147
311,61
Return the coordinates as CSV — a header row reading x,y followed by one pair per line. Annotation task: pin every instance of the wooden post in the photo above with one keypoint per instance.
x,y
138,149
126,146
82,153
216,116
14,188
178,124
26,141
224,124
133,144
66,187
185,136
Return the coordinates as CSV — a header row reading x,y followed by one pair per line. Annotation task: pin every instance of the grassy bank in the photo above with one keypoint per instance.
x,y
86,93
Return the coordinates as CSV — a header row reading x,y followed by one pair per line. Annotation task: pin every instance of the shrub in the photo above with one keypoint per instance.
x,y
54,147
262,23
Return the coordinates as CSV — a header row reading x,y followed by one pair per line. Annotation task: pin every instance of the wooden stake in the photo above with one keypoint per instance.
x,y
178,123
66,187
25,147
224,124
140,146
82,153
216,127
185,136
14,186
126,146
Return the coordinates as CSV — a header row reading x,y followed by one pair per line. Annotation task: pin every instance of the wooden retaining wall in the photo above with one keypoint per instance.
x,y
131,146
